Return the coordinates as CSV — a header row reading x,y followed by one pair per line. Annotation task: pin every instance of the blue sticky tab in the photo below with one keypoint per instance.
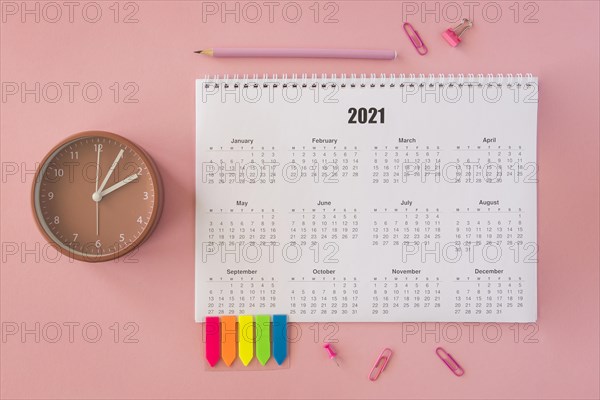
x,y
279,338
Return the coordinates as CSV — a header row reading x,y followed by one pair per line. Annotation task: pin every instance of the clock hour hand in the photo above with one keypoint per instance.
x,y
116,186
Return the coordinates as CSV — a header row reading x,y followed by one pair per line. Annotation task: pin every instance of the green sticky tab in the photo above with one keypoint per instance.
x,y
263,338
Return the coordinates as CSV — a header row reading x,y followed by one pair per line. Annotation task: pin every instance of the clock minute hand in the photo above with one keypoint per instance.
x,y
110,171
116,186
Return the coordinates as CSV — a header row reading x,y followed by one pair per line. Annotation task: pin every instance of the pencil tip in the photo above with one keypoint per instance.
x,y
206,52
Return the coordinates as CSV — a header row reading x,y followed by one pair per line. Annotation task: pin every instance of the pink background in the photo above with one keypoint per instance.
x,y
157,292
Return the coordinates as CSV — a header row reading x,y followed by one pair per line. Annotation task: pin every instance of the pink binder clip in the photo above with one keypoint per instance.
x,y
380,364
449,361
452,35
415,39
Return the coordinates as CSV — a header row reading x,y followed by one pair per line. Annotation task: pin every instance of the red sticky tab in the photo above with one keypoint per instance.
x,y
213,338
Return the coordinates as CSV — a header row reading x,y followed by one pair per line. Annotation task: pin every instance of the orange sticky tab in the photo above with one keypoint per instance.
x,y
228,339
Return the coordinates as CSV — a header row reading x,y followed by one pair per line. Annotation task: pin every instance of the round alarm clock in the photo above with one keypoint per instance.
x,y
97,196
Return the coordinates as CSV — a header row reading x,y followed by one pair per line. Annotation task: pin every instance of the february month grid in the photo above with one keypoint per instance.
x,y
420,211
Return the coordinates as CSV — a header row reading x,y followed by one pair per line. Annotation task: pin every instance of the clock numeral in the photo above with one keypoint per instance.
x,y
75,236
56,220
145,195
97,147
139,171
98,244
139,220
50,195
59,172
74,155
122,237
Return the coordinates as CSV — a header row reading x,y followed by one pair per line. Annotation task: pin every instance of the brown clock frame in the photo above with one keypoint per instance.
x,y
156,181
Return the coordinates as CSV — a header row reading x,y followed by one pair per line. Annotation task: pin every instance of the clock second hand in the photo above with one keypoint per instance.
x,y
97,177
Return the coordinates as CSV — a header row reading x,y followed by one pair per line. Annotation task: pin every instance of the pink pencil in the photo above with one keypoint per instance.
x,y
300,53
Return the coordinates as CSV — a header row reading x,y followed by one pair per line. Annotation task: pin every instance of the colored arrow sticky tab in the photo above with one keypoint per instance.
x,y
279,338
228,342
245,338
263,338
212,340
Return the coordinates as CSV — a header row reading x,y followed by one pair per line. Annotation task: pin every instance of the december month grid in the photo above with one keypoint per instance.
x,y
417,211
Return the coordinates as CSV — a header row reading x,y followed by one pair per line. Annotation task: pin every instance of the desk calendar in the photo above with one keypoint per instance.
x,y
392,198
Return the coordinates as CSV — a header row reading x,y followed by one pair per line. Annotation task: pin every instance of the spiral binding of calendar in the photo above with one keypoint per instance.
x,y
372,80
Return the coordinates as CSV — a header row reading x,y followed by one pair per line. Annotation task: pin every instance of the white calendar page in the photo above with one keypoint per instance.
x,y
387,201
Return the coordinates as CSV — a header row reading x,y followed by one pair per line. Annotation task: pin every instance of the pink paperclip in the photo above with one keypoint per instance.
x,y
415,39
380,364
449,361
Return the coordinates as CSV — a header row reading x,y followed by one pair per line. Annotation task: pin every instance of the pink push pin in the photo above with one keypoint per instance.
x,y
452,35
331,353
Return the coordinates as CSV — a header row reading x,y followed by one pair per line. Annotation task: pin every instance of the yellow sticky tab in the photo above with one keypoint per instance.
x,y
245,338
